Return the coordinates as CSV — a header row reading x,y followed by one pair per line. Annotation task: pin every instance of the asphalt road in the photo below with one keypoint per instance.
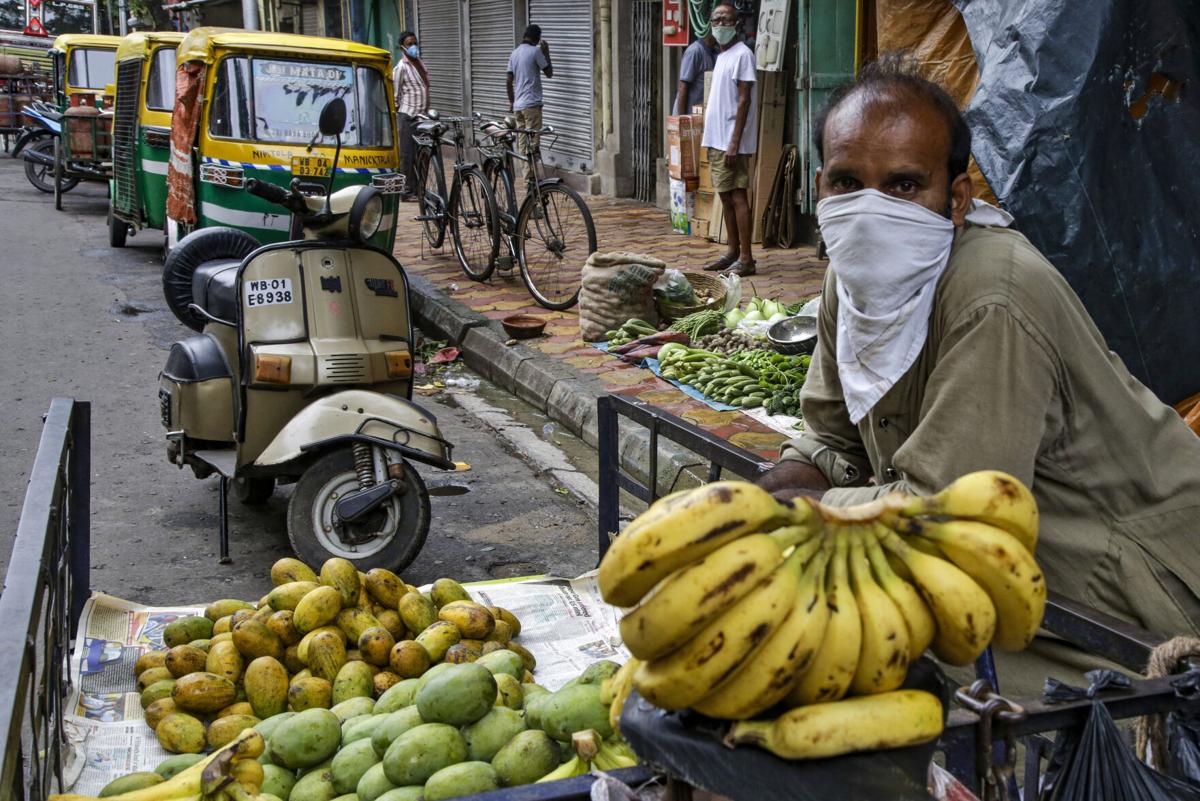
x,y
81,319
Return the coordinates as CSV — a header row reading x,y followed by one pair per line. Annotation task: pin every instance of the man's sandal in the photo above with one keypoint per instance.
x,y
741,269
722,263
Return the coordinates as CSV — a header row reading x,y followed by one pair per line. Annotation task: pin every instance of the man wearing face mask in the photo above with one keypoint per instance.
x,y
411,82
948,344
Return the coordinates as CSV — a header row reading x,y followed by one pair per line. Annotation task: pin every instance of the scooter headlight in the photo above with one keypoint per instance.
x,y
366,214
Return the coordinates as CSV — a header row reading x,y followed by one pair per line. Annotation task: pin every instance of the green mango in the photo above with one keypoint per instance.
x,y
529,690
278,781
316,785
421,752
572,709
458,696
503,661
347,797
353,707
131,781
398,696
354,680
350,763
362,727
489,734
306,739
392,726
526,758
467,778
186,629
598,672
171,766
373,784
415,792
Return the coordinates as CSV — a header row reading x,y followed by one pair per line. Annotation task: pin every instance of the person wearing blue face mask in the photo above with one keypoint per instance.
x,y
411,82
948,344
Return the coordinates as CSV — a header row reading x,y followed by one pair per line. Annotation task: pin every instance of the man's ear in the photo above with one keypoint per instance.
x,y
817,182
960,199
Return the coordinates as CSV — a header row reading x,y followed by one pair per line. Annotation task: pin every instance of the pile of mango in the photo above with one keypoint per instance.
x,y
366,689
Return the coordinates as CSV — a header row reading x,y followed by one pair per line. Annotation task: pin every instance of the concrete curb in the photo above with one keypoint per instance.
x,y
566,394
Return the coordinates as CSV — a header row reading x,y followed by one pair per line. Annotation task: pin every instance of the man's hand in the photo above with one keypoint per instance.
x,y
545,47
731,156
790,479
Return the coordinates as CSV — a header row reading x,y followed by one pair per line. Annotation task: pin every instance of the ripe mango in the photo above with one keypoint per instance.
x,y
500,613
224,660
422,751
186,629
306,739
282,625
222,730
316,609
466,778
375,644
390,619
353,680
523,652
342,575
354,621
152,675
438,637
473,620
486,736
150,659
180,733
302,646
266,686
203,692
157,690
286,597
526,758
326,655
310,693
224,607
458,696
237,708
460,653
409,659
417,612
253,639
501,632
288,570
508,691
159,709
446,591
385,587
383,681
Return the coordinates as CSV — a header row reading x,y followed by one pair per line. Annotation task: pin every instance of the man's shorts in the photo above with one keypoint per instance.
x,y
726,179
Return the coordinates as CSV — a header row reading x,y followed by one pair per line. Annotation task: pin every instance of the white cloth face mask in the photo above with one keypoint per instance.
x,y
887,255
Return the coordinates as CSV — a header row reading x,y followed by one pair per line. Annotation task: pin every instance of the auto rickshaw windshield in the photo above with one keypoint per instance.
x,y
91,68
280,101
160,84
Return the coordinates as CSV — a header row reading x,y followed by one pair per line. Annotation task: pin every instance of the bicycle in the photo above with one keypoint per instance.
x,y
469,210
552,215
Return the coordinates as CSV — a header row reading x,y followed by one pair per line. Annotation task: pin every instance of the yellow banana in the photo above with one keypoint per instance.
x,y
828,676
615,691
917,617
683,677
986,496
966,617
196,781
571,768
609,757
1002,566
863,723
767,677
692,526
687,599
883,657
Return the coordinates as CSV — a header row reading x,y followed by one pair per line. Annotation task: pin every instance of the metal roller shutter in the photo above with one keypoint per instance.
x,y
439,27
492,39
569,95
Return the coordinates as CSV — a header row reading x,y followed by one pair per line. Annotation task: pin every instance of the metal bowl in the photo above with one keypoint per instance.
x,y
794,335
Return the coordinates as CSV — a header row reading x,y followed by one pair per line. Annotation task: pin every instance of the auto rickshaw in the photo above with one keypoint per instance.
x,y
84,66
248,103
145,95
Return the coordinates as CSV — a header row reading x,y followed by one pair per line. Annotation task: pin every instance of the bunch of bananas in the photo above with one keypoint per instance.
x,y
740,602
592,753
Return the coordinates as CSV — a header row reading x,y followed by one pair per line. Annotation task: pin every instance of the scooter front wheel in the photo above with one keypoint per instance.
x,y
391,537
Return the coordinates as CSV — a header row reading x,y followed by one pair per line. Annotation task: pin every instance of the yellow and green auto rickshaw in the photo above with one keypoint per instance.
x,y
84,63
145,95
247,106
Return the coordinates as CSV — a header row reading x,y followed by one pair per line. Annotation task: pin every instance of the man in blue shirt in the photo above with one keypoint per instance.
x,y
528,62
699,58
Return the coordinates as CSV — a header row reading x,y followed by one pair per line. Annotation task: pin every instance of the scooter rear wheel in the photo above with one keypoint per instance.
x,y
403,523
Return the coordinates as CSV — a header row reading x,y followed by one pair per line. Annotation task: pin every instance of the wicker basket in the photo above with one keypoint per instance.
x,y
700,282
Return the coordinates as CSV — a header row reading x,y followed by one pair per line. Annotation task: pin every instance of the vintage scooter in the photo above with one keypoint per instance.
x,y
303,372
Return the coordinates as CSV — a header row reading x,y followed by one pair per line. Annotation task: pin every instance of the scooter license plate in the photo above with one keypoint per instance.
x,y
268,292
311,166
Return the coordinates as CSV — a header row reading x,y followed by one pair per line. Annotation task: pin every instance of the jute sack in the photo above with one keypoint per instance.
x,y
616,287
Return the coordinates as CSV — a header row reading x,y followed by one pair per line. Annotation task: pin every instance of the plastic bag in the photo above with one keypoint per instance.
x,y
733,291
674,288
1183,732
1094,762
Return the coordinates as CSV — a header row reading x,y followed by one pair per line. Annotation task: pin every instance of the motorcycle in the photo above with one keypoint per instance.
x,y
303,373
36,145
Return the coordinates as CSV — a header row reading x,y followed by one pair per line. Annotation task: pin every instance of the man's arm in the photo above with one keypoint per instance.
x,y
510,91
547,67
681,98
739,122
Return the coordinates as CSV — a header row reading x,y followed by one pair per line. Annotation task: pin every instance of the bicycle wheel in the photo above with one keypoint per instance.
x,y
432,199
554,238
502,187
474,224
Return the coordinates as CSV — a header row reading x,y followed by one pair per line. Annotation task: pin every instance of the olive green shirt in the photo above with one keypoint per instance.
x,y
1015,376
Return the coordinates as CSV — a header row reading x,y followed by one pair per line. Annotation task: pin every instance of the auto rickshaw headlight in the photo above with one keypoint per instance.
x,y
366,214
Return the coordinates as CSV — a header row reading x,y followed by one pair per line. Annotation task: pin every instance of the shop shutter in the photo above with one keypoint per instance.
x,y
310,20
492,40
439,27
569,95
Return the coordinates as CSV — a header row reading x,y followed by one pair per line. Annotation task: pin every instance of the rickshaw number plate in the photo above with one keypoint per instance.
x,y
268,291
311,166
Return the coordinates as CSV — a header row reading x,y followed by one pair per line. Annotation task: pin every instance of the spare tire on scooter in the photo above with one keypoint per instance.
x,y
207,244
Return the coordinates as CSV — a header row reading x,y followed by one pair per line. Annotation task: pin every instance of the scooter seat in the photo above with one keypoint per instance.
x,y
214,288
197,358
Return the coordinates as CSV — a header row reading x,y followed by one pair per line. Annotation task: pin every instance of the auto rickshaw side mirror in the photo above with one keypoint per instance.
x,y
333,117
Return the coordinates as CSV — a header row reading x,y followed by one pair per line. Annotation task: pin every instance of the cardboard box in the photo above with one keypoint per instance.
x,y
683,207
772,119
704,179
683,146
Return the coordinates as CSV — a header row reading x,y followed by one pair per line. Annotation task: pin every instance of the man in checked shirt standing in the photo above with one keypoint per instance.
x,y
412,98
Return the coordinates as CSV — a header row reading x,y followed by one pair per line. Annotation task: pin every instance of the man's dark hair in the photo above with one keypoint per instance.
x,y
893,74
404,35
534,34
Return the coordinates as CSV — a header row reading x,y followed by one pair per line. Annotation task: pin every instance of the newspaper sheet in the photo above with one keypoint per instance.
x,y
564,623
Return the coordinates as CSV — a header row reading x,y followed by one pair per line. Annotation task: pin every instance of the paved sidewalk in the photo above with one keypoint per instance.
x,y
559,372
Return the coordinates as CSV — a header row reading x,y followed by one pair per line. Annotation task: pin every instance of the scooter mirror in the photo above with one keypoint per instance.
x,y
333,117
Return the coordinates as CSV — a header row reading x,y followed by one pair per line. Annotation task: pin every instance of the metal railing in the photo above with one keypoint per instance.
x,y
44,592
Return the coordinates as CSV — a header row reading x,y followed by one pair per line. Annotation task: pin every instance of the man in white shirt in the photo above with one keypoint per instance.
x,y
526,65
731,136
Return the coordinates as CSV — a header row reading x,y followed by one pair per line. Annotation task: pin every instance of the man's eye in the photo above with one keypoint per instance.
x,y
845,184
906,187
